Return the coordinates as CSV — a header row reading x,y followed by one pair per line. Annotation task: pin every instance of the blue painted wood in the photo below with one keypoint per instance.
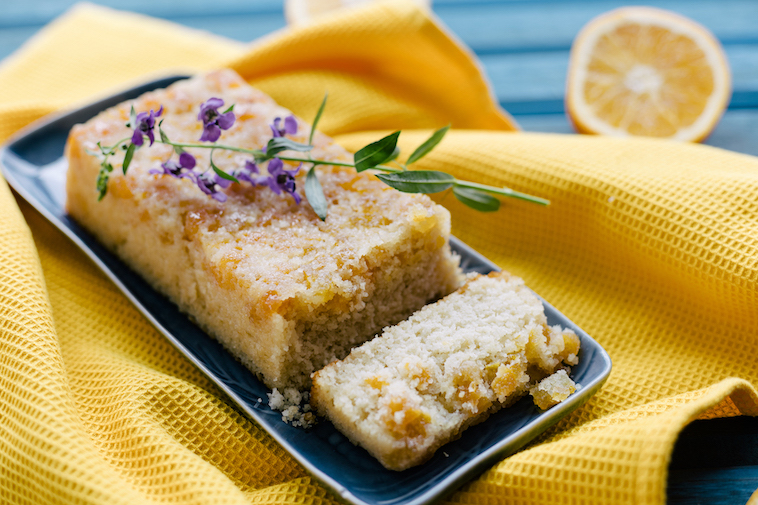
x,y
238,27
542,75
11,38
712,486
39,12
550,24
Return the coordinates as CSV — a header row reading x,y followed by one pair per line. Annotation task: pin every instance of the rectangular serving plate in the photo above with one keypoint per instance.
x,y
33,164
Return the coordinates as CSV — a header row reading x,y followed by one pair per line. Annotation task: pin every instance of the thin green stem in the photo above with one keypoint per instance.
x,y
212,146
384,168
503,192
316,162
112,149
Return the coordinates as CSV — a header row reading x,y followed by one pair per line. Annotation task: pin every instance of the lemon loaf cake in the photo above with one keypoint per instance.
x,y
418,385
282,290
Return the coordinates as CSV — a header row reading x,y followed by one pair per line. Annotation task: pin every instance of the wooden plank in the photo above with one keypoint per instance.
x,y
712,486
545,24
515,24
737,131
12,38
515,76
545,123
40,12
542,75
242,28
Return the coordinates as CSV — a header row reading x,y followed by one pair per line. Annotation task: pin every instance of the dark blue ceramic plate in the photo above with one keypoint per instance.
x,y
33,165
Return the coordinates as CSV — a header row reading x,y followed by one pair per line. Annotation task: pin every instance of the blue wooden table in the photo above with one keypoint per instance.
x,y
524,46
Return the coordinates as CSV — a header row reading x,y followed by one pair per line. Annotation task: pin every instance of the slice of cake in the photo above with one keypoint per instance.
x,y
421,383
284,291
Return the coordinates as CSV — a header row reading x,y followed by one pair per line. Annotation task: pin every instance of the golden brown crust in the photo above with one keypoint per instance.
x,y
282,290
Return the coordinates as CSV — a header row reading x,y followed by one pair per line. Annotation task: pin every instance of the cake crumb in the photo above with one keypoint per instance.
x,y
553,389
294,406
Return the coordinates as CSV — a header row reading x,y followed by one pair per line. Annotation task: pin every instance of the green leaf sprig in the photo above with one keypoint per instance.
x,y
313,190
474,195
375,156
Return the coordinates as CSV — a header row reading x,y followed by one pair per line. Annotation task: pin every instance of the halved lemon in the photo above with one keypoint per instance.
x,y
646,71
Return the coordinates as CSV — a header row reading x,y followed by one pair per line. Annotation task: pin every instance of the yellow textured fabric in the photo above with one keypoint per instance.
x,y
650,246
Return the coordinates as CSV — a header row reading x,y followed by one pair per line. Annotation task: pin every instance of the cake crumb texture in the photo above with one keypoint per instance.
x,y
553,389
294,406
283,291
422,382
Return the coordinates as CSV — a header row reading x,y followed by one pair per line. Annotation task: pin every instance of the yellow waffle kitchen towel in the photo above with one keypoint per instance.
x,y
650,246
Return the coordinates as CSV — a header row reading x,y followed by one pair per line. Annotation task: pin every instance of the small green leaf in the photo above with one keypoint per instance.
x,y
315,194
132,118
128,157
102,179
376,153
223,174
102,185
418,181
279,144
164,137
427,146
477,200
317,118
231,108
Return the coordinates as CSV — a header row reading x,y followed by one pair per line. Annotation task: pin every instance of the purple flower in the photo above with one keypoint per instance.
x,y
280,179
145,125
290,126
207,184
248,173
171,167
184,169
213,121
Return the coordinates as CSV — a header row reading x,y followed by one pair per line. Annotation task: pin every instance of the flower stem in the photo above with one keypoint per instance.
x,y
316,162
384,168
212,146
112,149
502,191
